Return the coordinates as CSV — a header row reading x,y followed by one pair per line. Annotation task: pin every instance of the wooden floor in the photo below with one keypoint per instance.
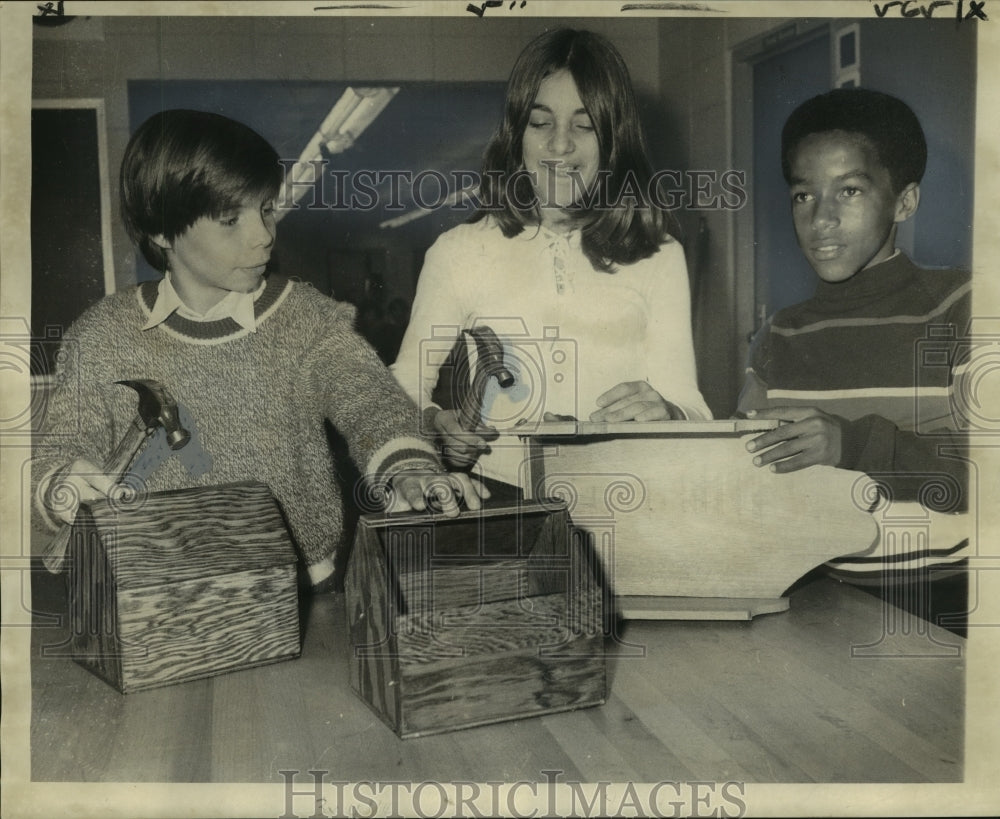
x,y
789,697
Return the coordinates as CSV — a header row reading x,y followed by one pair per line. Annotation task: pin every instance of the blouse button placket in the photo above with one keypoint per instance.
x,y
560,268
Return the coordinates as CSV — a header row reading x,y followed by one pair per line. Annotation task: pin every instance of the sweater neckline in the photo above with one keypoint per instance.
x,y
890,276
222,329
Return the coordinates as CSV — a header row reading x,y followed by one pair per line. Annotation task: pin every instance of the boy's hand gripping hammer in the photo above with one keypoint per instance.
x,y
156,408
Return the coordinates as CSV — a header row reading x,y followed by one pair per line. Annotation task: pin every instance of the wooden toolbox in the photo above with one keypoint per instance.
x,y
493,615
180,585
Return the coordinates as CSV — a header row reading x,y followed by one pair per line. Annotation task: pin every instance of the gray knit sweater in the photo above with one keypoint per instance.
x,y
257,403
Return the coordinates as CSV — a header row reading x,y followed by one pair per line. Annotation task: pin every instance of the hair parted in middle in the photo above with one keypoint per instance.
x,y
624,225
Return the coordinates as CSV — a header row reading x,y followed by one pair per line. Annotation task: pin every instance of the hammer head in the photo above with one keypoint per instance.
x,y
490,351
489,364
158,408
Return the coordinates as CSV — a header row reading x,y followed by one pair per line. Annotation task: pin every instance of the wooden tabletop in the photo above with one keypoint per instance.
x,y
836,689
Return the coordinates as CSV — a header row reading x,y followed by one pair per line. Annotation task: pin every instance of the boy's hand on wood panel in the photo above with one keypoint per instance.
x,y
436,491
808,437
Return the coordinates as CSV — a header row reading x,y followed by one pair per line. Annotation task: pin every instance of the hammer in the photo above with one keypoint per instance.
x,y
156,408
469,396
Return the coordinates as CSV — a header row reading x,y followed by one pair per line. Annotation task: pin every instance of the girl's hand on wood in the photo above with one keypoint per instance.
x,y
635,401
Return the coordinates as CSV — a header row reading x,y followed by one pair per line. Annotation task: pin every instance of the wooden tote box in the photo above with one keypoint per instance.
x,y
180,585
493,615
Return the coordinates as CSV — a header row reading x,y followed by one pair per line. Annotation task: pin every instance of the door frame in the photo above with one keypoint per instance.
x,y
46,341
787,35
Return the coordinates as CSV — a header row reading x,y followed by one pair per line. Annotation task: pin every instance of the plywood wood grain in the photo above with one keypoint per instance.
x,y
679,510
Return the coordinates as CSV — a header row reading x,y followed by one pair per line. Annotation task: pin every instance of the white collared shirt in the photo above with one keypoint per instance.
x,y
237,306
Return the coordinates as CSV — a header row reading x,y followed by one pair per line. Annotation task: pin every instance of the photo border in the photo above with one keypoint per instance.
x,y
978,795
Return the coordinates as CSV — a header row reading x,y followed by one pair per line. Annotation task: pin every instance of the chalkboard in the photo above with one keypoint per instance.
x,y
70,253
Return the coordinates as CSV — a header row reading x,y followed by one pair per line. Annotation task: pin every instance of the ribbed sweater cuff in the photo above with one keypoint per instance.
x,y
318,572
400,454
867,443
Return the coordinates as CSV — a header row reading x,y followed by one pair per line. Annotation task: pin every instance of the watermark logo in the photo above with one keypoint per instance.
x,y
919,541
398,193
544,375
550,796
48,361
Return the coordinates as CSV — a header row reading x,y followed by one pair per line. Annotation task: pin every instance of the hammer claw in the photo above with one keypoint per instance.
x,y
157,407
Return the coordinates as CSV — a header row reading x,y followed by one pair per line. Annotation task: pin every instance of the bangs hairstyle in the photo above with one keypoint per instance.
x,y
619,223
181,165
886,122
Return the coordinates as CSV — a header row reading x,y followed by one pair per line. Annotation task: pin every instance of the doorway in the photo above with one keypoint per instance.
x,y
780,84
929,64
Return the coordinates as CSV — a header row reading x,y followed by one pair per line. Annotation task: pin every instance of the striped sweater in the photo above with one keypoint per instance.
x,y
257,403
881,351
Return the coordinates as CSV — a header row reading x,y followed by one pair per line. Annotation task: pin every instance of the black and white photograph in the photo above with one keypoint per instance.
x,y
511,408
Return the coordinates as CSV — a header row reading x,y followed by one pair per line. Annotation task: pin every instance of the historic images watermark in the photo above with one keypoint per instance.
x,y
398,191
525,799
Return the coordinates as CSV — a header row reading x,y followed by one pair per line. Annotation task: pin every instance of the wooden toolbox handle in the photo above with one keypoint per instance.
x,y
524,507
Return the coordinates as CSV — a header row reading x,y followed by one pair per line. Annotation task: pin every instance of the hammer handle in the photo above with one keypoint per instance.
x,y
115,468
470,405
54,552
489,364
119,461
